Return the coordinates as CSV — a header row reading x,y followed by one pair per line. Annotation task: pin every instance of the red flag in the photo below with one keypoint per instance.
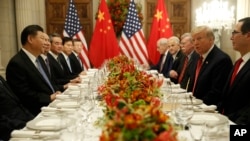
x,y
73,28
160,28
132,40
104,44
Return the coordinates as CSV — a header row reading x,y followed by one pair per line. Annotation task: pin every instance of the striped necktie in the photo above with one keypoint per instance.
x,y
40,69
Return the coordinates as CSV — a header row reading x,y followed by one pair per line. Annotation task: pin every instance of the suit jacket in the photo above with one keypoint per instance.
x,y
188,78
57,72
27,83
178,63
166,67
48,73
235,98
212,77
12,114
66,67
76,67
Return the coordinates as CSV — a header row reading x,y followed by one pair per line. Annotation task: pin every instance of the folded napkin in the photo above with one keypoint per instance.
x,y
64,96
52,109
205,108
73,87
34,134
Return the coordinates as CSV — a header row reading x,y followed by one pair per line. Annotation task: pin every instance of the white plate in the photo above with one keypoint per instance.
x,y
209,118
46,123
65,104
195,101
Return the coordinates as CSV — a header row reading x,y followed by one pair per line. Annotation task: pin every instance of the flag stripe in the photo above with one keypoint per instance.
x,y
84,53
137,48
73,29
124,45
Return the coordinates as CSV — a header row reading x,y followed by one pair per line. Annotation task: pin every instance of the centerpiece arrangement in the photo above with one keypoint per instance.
x,y
133,107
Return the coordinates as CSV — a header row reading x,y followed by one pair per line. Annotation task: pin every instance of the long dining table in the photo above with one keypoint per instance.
x,y
76,115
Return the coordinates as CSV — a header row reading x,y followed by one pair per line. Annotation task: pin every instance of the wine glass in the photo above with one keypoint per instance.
x,y
183,109
196,130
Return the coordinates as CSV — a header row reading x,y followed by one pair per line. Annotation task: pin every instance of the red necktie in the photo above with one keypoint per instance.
x,y
183,69
197,71
236,68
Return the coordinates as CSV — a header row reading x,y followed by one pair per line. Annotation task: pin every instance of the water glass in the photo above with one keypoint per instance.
x,y
196,130
183,109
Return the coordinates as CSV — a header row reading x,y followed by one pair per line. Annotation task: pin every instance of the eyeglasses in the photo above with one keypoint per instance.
x,y
235,32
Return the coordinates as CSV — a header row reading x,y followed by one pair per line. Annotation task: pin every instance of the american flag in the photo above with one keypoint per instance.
x,y
73,29
132,41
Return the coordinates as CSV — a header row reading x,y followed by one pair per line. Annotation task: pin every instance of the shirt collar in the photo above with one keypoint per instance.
x,y
31,56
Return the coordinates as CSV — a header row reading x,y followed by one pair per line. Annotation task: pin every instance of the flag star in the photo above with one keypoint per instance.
x,y
158,15
100,16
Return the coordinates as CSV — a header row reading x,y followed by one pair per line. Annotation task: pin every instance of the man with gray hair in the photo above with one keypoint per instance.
x,y
164,64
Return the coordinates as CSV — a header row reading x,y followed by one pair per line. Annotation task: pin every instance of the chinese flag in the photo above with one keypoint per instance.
x,y
104,44
160,28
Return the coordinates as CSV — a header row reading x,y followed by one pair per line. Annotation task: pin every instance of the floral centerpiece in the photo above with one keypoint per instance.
x,y
118,11
133,108
137,122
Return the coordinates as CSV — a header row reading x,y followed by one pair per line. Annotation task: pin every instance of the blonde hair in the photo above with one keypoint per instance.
x,y
206,29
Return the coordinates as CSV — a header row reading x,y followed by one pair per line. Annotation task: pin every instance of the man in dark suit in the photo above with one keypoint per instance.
x,y
64,57
166,60
57,71
12,114
187,63
212,69
177,54
43,58
235,99
24,74
75,61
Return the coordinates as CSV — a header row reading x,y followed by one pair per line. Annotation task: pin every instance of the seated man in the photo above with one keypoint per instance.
x,y
12,114
165,62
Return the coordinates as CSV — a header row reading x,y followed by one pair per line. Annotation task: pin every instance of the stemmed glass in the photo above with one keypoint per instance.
x,y
183,109
196,130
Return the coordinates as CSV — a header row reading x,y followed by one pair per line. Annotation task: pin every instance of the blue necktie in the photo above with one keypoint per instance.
x,y
47,65
39,66
69,64
80,62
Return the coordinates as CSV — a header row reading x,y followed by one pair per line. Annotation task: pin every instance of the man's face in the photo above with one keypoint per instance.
x,y
173,47
56,45
47,44
239,40
68,47
162,48
186,45
37,43
77,46
202,43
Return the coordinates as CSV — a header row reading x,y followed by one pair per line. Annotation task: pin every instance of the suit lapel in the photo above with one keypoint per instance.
x,y
241,73
31,65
